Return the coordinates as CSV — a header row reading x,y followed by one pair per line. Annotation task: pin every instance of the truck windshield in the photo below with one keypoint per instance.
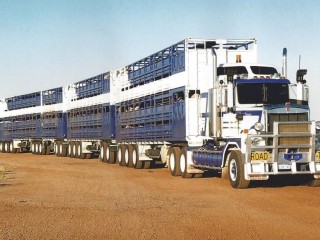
x,y
262,93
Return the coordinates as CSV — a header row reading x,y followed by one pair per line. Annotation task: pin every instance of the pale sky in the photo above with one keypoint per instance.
x,y
51,43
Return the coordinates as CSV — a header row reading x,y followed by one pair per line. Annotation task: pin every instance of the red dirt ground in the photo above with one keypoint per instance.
x,y
49,197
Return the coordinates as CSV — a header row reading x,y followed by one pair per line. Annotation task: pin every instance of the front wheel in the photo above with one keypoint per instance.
x,y
236,171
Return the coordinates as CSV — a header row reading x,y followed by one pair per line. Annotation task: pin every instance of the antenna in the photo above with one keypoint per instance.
x,y
299,61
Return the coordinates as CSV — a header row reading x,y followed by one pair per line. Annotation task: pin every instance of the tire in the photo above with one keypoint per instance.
x,y
120,155
39,148
10,147
236,171
33,148
110,155
103,154
137,163
5,147
1,147
130,153
81,154
174,161
71,150
184,164
126,155
77,149
64,150
57,149
48,150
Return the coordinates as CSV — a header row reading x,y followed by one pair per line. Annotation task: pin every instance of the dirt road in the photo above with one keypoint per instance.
x,y
48,197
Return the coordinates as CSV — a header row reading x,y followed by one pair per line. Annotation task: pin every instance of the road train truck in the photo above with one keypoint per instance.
x,y
198,105
204,105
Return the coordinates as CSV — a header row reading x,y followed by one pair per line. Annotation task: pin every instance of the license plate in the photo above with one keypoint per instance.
x,y
260,156
318,155
284,167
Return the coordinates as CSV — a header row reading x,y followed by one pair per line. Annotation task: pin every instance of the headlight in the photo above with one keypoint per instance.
x,y
258,126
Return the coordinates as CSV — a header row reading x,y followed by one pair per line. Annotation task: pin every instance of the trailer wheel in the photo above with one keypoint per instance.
x,y
130,152
77,149
120,155
103,155
2,147
64,150
10,147
56,149
126,156
48,150
71,150
174,161
33,148
236,171
111,155
81,154
137,163
184,164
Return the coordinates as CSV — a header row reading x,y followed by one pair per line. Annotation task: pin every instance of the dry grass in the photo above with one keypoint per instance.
x,y
2,172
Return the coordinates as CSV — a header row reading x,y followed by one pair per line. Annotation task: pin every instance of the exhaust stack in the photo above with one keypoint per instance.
x,y
284,62
212,99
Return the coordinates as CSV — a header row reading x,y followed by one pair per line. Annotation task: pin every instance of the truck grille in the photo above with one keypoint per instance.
x,y
293,117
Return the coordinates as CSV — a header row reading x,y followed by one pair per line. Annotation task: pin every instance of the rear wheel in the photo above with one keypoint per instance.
x,y
10,147
137,163
57,149
47,150
174,161
5,147
236,171
121,152
130,152
184,164
81,154
103,155
77,149
110,155
64,150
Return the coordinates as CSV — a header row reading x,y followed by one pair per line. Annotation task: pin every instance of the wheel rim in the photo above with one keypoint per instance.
x,y
11,147
107,153
74,150
182,163
126,156
172,162
60,146
119,155
134,157
102,152
233,170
